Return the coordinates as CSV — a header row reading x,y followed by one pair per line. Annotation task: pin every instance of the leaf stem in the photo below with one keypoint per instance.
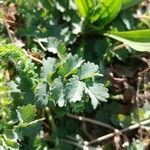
x,y
54,128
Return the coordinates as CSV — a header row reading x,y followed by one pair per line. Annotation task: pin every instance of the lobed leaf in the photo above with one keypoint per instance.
x,y
41,95
48,67
57,94
70,65
97,92
87,70
74,89
27,113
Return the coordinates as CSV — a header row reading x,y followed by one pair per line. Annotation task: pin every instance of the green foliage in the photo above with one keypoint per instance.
x,y
14,120
74,90
88,70
63,67
27,113
138,39
23,65
57,93
129,3
93,91
98,13
41,95
67,82
47,69
70,64
25,68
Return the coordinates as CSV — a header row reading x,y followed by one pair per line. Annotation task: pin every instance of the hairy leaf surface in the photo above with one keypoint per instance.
x,y
27,113
41,94
70,65
87,70
74,89
57,92
48,67
97,92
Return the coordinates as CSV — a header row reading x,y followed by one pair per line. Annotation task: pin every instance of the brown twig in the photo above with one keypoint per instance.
x,y
41,45
13,41
32,57
137,100
144,71
140,16
79,145
8,32
132,127
84,127
84,119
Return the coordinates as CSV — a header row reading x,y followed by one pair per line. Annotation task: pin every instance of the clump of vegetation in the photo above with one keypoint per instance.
x,y
74,74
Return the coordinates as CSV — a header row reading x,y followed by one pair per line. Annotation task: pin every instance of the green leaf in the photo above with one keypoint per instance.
x,y
78,107
41,95
10,134
97,92
48,67
53,45
84,6
138,40
146,108
27,113
99,12
35,128
70,65
121,120
74,90
57,94
87,70
137,145
105,12
129,3
61,50
14,87
137,114
9,143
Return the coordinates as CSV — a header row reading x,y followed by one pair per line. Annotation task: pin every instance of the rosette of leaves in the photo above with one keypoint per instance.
x,y
70,83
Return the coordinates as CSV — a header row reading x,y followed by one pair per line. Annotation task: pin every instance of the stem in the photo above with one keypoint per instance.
x,y
8,32
79,145
118,47
28,25
84,119
132,127
32,57
54,128
137,102
40,44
